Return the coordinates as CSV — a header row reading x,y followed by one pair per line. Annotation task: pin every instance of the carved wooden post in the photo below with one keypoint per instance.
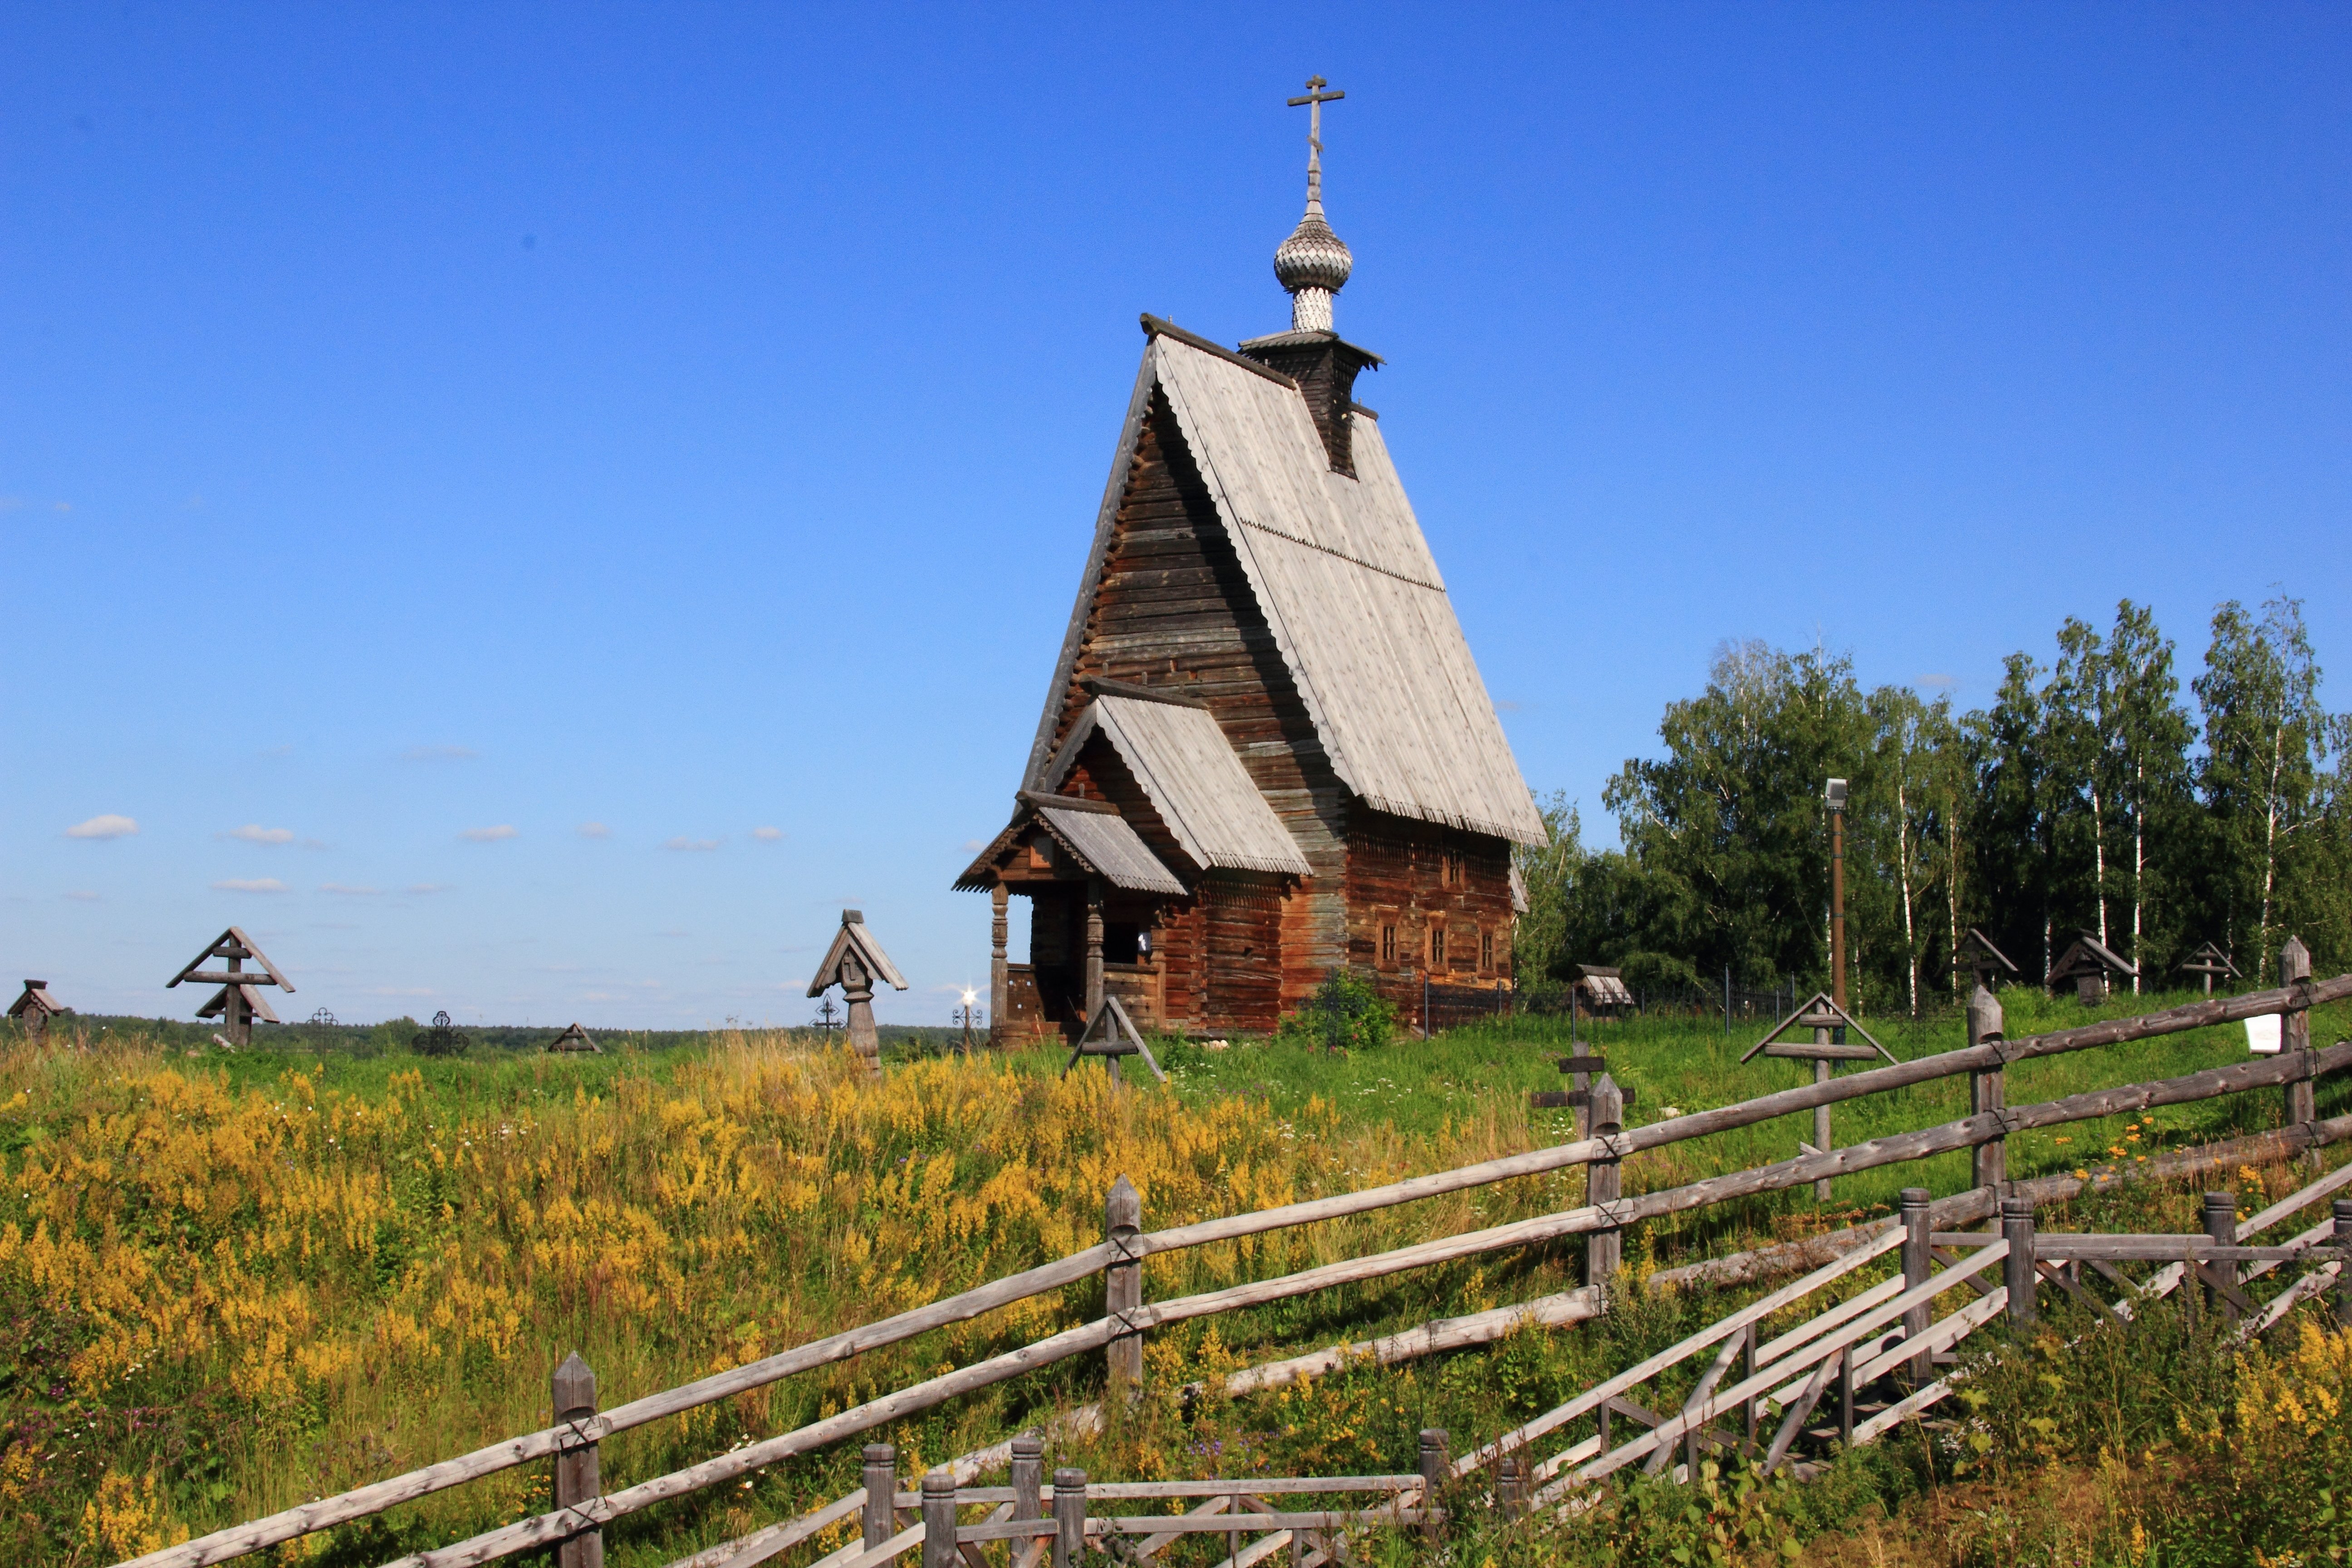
x,y
1123,1281
2294,1035
1918,1224
1436,1470
857,990
1604,1248
1069,1519
2017,1268
880,1517
573,1393
2222,1225
1000,974
2343,1237
940,1519
1094,947
1510,1489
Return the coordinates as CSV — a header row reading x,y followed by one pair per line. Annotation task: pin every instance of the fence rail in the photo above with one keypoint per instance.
x,y
1603,1221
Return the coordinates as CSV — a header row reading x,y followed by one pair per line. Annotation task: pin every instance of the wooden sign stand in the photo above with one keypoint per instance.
x,y
1119,1037
236,1003
1821,1016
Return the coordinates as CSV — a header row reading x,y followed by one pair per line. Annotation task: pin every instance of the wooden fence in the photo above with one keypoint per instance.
x,y
582,1509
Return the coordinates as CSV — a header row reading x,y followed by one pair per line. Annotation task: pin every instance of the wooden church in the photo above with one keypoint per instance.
x,y
1266,752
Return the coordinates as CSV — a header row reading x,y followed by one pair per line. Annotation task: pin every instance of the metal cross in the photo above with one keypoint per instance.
x,y
1315,100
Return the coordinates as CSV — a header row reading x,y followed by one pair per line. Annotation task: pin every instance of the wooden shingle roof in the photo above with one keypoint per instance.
x,y
1197,784
1340,571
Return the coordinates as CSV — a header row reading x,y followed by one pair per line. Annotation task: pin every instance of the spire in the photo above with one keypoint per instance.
x,y
1313,264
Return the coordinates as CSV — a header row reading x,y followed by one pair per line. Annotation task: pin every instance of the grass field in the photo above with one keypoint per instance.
x,y
231,1283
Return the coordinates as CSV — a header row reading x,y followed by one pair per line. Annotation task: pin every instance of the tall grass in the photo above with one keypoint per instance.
x,y
233,1283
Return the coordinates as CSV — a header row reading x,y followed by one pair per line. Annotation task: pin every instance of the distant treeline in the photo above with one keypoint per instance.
x,y
2088,796
396,1035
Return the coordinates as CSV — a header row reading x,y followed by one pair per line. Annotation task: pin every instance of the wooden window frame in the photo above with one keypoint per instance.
x,y
1388,945
1436,945
1486,952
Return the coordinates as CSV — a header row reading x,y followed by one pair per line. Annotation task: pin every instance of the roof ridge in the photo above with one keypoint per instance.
x,y
1154,326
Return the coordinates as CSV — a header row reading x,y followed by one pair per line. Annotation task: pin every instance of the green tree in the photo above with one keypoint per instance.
x,y
1725,834
2146,759
1911,789
2274,809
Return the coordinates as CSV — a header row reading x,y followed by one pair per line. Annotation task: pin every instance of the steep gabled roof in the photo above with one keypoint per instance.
x,y
1196,783
1102,842
1345,580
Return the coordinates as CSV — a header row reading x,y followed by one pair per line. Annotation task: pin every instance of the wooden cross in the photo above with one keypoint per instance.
x,y
1315,100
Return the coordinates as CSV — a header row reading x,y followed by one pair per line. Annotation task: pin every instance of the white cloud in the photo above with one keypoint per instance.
x,y
767,835
1939,681
422,887
249,885
254,833
974,846
489,835
439,755
683,842
347,890
594,830
106,827
81,896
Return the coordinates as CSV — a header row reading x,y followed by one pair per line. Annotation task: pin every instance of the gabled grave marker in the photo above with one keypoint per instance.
x,y
1111,1035
855,961
237,1002
35,1007
1823,1017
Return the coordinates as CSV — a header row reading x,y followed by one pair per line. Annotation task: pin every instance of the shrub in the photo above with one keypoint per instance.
x,y
1346,1013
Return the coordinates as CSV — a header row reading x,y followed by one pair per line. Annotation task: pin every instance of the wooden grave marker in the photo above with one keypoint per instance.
x,y
2213,964
238,1002
2092,965
1988,962
855,963
575,1038
1111,1035
1823,1017
35,1008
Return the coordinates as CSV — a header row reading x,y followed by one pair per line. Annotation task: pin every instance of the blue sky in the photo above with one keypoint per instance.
x,y
593,489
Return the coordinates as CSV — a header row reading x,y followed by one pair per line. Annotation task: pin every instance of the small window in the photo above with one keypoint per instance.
x,y
1388,944
1436,945
1485,950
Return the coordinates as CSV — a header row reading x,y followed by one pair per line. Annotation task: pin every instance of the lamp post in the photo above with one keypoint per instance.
x,y
1836,795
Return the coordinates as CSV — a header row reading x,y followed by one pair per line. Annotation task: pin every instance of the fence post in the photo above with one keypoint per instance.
x,y
1123,1281
2017,1268
880,1516
1746,1372
1604,1248
2343,1237
940,1519
1028,1478
1437,1470
2222,1225
573,1391
2294,1035
1069,1519
1846,1397
1918,1224
1986,1091
1510,1489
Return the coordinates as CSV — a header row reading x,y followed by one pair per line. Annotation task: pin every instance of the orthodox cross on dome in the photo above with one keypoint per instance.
x,y
1313,264
1315,99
